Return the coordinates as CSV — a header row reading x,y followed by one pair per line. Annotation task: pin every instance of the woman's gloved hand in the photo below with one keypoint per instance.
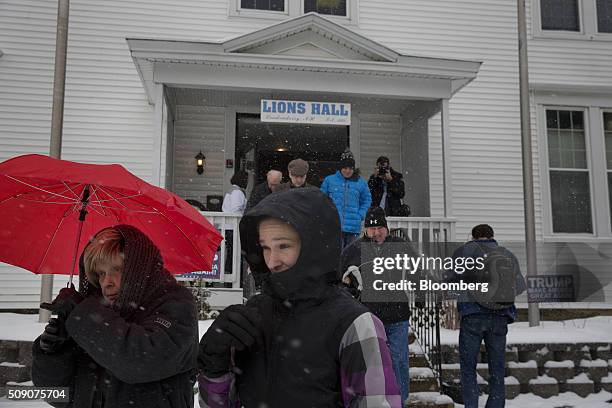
x,y
64,303
54,336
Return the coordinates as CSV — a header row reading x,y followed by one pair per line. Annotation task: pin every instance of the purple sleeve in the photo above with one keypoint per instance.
x,y
366,371
218,392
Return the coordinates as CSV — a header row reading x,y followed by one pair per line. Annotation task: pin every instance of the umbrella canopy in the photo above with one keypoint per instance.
x,y
45,204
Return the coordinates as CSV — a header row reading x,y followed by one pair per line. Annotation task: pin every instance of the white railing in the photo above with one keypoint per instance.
x,y
227,225
420,230
423,230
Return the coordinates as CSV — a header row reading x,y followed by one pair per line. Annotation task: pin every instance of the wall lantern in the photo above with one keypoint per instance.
x,y
200,162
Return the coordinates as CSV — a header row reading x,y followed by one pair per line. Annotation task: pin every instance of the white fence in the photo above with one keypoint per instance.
x,y
420,230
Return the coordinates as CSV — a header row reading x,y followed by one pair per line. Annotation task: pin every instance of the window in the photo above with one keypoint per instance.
x,y
568,171
607,120
604,16
573,19
272,5
331,7
560,15
343,11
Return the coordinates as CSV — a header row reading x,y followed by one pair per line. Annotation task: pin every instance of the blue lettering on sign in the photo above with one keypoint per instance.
x,y
265,107
317,108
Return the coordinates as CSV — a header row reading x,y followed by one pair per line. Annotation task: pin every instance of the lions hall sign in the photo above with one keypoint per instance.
x,y
321,113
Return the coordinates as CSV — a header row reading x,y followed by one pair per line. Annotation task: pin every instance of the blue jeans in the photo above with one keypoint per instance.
x,y
348,238
492,329
397,340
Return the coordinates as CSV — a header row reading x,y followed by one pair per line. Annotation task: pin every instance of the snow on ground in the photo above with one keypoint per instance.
x,y
4,403
15,326
592,330
25,327
597,329
563,400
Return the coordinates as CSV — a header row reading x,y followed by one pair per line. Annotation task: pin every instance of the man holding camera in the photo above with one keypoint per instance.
x,y
387,188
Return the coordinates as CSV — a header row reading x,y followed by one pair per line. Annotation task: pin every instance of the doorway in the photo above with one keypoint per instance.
x,y
263,146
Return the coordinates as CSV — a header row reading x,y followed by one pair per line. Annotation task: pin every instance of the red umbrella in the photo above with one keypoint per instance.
x,y
49,210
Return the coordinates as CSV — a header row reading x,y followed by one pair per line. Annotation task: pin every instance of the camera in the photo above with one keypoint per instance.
x,y
382,170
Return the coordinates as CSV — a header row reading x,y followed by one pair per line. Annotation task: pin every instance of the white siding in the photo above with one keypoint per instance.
x,y
108,118
196,128
380,135
484,116
436,182
20,289
567,61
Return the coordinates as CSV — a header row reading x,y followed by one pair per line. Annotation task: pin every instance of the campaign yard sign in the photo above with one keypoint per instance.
x,y
214,273
551,288
321,113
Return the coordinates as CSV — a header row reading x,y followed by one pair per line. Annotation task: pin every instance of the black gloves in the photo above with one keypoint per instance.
x,y
64,303
236,326
54,336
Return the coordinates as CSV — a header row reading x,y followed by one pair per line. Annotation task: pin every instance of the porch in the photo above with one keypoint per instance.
x,y
420,230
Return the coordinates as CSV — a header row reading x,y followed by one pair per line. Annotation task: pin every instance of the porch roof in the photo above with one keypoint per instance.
x,y
309,53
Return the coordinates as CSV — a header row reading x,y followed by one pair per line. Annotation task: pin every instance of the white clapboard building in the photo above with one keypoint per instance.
x,y
251,84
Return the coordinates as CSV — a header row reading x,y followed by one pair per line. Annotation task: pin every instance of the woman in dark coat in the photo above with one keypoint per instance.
x,y
128,338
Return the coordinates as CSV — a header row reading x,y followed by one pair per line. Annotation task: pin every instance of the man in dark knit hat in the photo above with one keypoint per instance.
x,y
129,337
394,314
350,194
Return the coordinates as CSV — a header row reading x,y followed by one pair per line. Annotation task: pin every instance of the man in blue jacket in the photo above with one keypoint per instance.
x,y
350,194
485,321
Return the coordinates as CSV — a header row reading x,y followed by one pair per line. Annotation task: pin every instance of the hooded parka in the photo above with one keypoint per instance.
x,y
310,326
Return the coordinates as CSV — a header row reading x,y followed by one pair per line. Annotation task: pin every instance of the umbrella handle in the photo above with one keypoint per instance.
x,y
82,215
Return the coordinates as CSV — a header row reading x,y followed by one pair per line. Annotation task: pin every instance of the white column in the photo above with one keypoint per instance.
x,y
158,131
446,158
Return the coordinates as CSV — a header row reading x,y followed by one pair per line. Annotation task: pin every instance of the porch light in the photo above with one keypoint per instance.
x,y
200,162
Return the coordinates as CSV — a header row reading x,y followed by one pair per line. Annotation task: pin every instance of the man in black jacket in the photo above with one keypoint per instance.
x,y
260,191
387,187
129,337
395,313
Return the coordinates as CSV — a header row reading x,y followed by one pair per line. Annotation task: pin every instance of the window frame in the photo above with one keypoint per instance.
x,y
293,8
587,169
347,18
587,18
593,109
608,171
596,23
569,32
235,10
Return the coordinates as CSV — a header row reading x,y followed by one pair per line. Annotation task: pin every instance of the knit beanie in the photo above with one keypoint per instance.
x,y
347,159
375,218
144,276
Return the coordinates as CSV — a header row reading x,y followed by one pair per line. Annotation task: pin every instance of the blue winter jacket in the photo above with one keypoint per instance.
x,y
352,198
